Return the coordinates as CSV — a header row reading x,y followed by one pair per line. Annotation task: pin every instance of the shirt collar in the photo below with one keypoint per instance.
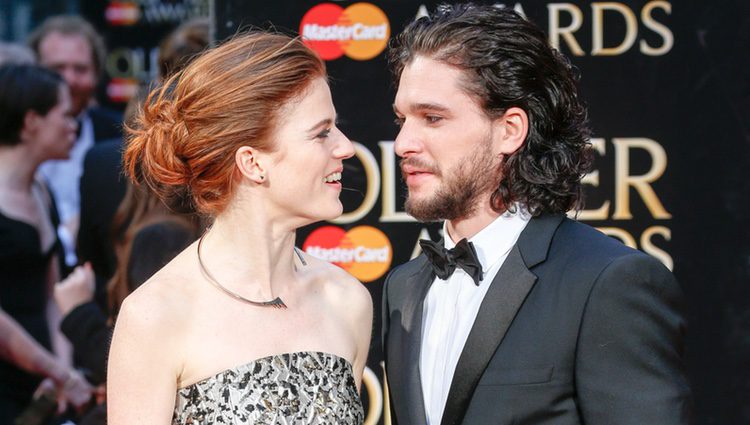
x,y
497,238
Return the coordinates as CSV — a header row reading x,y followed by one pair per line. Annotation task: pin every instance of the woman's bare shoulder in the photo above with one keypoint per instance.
x,y
165,298
340,287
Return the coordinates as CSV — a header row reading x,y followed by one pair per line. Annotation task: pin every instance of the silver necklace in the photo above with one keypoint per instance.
x,y
275,303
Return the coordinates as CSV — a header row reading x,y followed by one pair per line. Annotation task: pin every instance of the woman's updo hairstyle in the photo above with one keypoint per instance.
x,y
182,142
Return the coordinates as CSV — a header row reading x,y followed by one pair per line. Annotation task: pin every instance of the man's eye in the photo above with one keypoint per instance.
x,y
432,119
399,121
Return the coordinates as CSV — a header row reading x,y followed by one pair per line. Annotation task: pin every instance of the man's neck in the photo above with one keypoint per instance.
x,y
467,227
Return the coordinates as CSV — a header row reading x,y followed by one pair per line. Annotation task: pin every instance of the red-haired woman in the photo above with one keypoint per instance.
x,y
242,327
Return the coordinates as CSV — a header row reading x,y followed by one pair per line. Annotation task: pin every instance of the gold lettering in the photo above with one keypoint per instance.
x,y
124,56
620,234
653,250
372,175
423,234
388,172
657,27
555,31
597,31
592,178
374,396
519,9
386,397
623,179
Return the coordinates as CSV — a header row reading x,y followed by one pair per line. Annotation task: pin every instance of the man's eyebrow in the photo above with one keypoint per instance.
x,y
424,107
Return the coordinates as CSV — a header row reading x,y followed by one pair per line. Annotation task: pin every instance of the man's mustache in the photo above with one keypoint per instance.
x,y
419,164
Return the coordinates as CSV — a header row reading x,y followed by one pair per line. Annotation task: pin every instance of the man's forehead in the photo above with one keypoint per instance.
x,y
427,83
59,44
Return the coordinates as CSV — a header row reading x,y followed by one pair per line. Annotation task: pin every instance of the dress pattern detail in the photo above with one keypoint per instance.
x,y
287,389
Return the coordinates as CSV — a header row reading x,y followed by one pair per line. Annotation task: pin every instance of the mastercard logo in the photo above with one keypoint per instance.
x,y
360,31
364,251
122,13
122,90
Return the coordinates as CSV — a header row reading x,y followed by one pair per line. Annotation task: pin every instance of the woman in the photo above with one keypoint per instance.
x,y
35,125
241,327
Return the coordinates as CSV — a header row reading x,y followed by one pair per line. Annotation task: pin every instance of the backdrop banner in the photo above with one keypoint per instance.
x,y
133,30
667,88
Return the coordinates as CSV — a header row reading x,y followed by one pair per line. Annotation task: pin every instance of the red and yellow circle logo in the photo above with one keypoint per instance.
x,y
360,31
122,13
363,251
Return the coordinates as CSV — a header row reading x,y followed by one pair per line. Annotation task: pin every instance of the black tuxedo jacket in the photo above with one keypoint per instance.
x,y
576,328
107,123
102,186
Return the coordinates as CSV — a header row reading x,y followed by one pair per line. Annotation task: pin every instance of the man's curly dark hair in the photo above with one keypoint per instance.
x,y
507,62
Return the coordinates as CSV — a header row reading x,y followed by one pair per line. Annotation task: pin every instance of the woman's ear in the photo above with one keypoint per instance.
x,y
511,130
246,159
30,124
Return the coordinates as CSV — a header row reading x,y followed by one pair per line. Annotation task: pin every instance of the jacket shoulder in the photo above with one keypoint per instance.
x,y
403,271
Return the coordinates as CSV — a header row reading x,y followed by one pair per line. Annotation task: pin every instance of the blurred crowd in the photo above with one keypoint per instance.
x,y
75,236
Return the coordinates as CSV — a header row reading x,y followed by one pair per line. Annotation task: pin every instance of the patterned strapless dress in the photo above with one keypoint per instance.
x,y
290,389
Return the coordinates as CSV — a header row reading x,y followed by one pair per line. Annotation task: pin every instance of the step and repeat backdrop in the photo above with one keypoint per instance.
x,y
668,90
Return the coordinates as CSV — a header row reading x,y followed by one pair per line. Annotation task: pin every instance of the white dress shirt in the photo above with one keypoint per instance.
x,y
452,305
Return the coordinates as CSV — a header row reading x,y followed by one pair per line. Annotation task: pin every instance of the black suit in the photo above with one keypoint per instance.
x,y
576,328
102,188
107,123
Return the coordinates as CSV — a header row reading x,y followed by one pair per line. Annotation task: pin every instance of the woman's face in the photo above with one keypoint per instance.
x,y
54,134
305,170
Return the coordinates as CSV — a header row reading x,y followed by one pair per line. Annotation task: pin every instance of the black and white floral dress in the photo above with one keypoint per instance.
x,y
288,389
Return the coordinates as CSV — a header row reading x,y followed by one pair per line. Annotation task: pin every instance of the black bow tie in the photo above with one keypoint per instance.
x,y
444,261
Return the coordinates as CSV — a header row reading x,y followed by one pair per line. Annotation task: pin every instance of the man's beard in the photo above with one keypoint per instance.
x,y
457,197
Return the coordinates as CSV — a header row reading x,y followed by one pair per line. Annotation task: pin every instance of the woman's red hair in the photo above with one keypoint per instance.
x,y
182,142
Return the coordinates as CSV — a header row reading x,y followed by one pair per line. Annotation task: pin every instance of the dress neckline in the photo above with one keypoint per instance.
x,y
44,253
247,365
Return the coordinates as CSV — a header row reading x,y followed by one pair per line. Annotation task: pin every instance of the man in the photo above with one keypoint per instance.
x,y
521,315
71,46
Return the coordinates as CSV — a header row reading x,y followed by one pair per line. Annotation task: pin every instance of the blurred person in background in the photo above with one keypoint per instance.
x,y
147,234
102,182
72,47
36,124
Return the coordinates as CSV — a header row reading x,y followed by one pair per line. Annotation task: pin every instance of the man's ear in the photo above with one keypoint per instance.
x,y
510,130
246,159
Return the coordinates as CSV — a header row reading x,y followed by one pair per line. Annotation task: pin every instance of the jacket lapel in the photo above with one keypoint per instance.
x,y
506,294
408,380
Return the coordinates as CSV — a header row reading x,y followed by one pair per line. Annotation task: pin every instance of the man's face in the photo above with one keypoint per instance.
x,y
71,55
450,161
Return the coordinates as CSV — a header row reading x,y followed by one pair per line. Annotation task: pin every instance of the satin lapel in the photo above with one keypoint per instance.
x,y
410,380
505,296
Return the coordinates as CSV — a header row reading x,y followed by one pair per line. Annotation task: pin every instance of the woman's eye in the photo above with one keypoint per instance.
x,y
324,134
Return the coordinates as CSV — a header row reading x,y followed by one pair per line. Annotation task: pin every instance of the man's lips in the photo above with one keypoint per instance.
x,y
410,170
415,176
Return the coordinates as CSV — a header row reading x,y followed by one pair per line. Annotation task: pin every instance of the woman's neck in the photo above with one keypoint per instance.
x,y
244,248
17,168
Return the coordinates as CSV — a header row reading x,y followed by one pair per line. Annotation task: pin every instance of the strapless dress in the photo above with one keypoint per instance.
x,y
292,388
